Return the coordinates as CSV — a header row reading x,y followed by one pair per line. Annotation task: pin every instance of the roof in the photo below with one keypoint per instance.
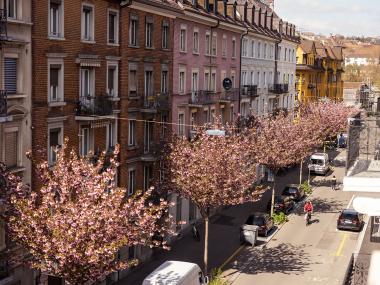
x,y
170,272
352,85
307,45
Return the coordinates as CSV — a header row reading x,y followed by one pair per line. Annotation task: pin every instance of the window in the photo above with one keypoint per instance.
x,y
244,77
132,83
212,116
252,78
55,141
132,133
55,83
196,42
232,113
181,124
111,135
233,48
56,18
258,50
11,147
252,48
148,84
131,181
233,80
194,82
213,81
265,79
164,120
10,75
208,44
85,141
148,136
87,81
87,23
113,37
148,175
207,81
165,34
265,50
164,82
133,30
112,86
178,213
192,211
244,47
258,78
182,81
12,8
214,45
286,51
149,32
224,46
182,40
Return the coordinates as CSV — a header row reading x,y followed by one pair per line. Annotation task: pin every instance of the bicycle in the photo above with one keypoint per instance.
x,y
308,218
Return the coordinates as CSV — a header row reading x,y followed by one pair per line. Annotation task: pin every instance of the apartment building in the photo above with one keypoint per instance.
x,y
15,114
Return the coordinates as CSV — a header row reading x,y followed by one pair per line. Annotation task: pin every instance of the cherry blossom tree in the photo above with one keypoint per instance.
x,y
75,224
277,142
213,171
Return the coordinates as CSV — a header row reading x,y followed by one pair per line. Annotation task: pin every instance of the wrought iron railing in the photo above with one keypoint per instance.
x,y
3,103
202,97
94,106
3,25
278,88
160,101
249,90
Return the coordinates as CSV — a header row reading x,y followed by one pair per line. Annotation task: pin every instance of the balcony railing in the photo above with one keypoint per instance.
x,y
156,102
95,106
249,90
3,25
278,88
202,97
230,95
3,103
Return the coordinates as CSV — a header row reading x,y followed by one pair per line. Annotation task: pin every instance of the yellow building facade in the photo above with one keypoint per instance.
x,y
319,72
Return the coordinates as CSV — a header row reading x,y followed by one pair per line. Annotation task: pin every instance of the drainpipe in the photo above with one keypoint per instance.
x,y
211,41
241,52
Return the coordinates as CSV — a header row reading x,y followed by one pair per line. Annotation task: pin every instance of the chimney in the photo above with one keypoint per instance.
x,y
266,19
253,14
260,17
271,22
286,28
235,10
216,7
225,8
246,12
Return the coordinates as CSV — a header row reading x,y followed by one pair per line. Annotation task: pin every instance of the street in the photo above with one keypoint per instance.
x,y
317,254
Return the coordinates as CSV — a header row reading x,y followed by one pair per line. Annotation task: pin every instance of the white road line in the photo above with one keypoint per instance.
x,y
352,199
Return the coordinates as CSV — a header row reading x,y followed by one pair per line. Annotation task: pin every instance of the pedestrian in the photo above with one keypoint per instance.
x,y
333,183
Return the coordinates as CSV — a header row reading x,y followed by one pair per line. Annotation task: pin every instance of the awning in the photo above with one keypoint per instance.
x,y
85,62
99,124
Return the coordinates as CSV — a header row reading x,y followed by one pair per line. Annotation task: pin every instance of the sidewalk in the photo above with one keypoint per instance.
x,y
223,236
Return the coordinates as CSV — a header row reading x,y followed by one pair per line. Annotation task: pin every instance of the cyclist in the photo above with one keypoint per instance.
x,y
308,209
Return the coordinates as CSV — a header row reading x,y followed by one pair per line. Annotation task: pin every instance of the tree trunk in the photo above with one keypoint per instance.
x,y
205,256
301,169
273,194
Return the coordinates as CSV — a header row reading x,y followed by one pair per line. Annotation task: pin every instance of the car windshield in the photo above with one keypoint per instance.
x,y
255,220
278,199
349,216
317,161
291,190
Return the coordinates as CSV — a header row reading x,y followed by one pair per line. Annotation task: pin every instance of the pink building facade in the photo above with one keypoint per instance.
x,y
206,51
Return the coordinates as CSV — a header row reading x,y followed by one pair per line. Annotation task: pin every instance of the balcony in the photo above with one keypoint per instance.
x,y
311,86
3,104
249,91
202,97
278,88
155,102
96,106
230,95
3,25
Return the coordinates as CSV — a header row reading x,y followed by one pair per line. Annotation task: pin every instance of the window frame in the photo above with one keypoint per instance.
x,y
196,47
60,140
182,90
15,9
183,39
17,130
115,13
60,21
133,30
91,36
233,55
149,27
165,35
61,78
113,65
181,124
132,133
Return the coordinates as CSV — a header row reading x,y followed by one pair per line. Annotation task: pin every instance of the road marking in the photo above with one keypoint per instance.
x,y
232,256
352,199
341,245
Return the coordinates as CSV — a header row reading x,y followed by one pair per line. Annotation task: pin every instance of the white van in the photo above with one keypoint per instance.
x,y
319,163
176,273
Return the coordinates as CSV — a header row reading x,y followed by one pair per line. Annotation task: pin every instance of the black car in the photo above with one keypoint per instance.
x,y
294,191
350,220
282,204
263,221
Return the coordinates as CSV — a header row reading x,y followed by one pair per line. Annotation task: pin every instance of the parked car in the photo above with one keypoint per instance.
x,y
294,191
263,220
319,163
282,204
350,220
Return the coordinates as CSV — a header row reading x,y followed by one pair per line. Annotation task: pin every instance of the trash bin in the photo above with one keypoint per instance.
x,y
250,233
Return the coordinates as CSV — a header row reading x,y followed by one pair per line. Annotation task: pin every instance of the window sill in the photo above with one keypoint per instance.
x,y
115,99
133,97
183,51
56,38
166,49
133,147
113,44
195,53
17,169
16,96
149,48
17,21
132,46
57,104
88,41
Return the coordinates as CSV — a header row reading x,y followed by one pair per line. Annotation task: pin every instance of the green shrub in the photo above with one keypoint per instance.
x,y
307,188
279,218
216,277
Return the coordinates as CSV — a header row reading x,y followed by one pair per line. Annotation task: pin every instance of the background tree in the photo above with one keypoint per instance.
x,y
278,142
213,171
75,224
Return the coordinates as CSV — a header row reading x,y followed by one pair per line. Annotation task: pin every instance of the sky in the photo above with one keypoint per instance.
x,y
345,17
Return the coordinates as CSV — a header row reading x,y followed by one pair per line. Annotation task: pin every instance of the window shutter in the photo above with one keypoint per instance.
x,y
10,75
11,149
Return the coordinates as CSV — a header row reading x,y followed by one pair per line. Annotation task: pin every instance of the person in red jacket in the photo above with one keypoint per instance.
x,y
308,209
